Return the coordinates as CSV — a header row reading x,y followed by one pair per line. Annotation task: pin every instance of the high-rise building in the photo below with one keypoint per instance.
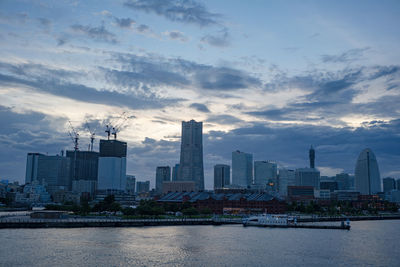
x,y
191,162
222,175
112,165
84,166
175,172
311,155
389,184
163,174
286,178
242,168
266,174
130,184
308,177
398,184
142,187
50,171
343,181
367,177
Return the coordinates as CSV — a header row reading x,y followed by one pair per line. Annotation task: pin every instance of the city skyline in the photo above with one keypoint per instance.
x,y
269,78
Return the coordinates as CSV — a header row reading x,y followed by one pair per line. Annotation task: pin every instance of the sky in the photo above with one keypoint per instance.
x,y
269,78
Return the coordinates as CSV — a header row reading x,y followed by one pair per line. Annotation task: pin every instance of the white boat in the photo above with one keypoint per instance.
x,y
266,219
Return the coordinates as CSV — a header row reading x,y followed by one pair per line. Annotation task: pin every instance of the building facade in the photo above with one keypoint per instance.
x,y
242,169
367,177
112,165
175,172
222,175
286,178
163,174
389,184
308,177
130,184
266,174
142,187
191,159
84,166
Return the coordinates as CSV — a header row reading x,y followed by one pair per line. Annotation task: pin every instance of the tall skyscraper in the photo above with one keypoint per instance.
x,y
163,174
367,179
286,178
83,170
112,165
389,184
242,168
266,173
311,155
222,175
191,162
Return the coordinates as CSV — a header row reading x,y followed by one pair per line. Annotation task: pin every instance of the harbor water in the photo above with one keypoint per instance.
x,y
368,243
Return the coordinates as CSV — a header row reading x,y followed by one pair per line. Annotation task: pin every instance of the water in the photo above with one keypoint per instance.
x,y
368,243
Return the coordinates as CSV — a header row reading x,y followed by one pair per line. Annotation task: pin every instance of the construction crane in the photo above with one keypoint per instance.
x,y
92,136
117,125
74,136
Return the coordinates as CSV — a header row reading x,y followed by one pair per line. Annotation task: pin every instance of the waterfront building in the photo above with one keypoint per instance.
x,y
226,203
178,186
367,176
222,175
163,174
130,184
242,168
50,171
84,186
389,184
300,193
286,178
266,174
345,195
33,192
191,158
112,165
142,187
175,172
322,194
343,181
328,185
311,155
308,177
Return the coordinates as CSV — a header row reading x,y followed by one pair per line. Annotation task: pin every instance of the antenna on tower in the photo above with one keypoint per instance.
x,y
74,136
92,136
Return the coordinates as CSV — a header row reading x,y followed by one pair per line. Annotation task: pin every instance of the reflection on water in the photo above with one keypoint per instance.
x,y
373,243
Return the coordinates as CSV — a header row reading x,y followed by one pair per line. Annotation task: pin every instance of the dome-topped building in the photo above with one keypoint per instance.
x,y
367,177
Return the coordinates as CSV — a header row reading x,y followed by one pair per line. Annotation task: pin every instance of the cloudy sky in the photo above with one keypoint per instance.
x,y
265,77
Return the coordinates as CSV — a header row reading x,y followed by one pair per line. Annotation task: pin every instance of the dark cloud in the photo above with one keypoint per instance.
x,y
200,107
223,119
57,82
95,33
331,94
187,11
44,22
176,35
220,39
348,56
179,73
124,22
142,28
31,132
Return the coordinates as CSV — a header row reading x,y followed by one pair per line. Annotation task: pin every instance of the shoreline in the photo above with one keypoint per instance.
x,y
85,222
